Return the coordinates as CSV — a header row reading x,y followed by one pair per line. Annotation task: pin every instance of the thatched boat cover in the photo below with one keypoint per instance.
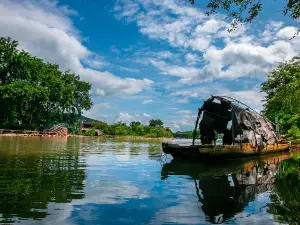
x,y
236,121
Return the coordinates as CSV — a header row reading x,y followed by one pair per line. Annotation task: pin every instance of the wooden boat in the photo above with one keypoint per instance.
x,y
215,152
241,132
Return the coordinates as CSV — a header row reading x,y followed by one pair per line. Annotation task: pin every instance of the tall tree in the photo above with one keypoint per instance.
x,y
36,92
282,90
156,123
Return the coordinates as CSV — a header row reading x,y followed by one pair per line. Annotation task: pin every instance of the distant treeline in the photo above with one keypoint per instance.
x,y
155,129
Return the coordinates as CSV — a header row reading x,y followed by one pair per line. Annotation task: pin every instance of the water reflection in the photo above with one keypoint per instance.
x,y
31,177
96,181
285,200
225,189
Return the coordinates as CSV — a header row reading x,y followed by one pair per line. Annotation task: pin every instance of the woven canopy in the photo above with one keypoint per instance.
x,y
236,121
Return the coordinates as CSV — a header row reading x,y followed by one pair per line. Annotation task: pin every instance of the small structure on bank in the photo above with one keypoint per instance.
x,y
85,126
244,132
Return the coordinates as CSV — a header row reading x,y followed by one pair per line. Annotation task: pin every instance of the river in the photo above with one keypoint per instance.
x,y
94,181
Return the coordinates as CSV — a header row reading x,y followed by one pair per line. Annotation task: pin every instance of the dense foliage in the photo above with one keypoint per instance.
x,y
244,11
153,130
283,96
34,92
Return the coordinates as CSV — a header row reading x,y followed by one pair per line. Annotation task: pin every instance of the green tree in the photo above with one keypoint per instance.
x,y
282,90
156,123
121,129
34,92
244,11
135,128
135,123
102,126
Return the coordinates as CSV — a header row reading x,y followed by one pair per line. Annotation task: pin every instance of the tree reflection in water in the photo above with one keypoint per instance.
x,y
224,189
34,173
285,199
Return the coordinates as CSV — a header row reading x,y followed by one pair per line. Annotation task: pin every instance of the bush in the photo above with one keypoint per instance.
x,y
90,132
294,134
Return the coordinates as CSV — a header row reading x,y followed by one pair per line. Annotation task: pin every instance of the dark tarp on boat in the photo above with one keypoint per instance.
x,y
237,122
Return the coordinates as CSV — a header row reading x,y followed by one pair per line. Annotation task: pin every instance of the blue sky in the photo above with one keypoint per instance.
x,y
151,58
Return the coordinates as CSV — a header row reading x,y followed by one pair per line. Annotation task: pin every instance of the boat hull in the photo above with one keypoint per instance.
x,y
213,152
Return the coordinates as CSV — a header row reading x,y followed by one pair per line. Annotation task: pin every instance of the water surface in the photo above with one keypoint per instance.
x,y
94,181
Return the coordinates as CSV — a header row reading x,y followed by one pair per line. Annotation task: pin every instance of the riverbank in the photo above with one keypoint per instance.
x,y
81,136
123,137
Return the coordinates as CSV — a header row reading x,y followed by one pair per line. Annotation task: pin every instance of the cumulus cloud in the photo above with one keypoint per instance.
x,y
98,111
252,97
243,52
285,33
201,92
181,122
46,31
186,73
244,59
147,102
127,117
191,59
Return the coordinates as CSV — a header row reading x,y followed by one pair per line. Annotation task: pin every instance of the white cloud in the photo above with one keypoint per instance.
x,y
182,122
244,59
132,70
46,31
211,26
186,212
191,59
252,98
201,92
154,19
96,62
165,55
242,52
107,192
98,111
270,29
184,112
100,92
127,118
287,32
186,73
233,61
182,100
147,102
